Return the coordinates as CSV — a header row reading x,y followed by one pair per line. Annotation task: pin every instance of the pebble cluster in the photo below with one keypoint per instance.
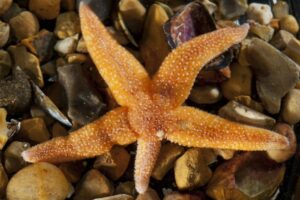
x,y
49,86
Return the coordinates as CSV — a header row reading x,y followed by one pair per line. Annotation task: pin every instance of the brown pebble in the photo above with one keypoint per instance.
x,y
126,188
45,9
3,181
4,33
4,6
290,24
3,128
72,170
5,63
67,24
58,130
150,194
34,129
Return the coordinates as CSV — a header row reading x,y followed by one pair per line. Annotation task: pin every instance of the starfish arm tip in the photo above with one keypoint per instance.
x,y
141,188
26,156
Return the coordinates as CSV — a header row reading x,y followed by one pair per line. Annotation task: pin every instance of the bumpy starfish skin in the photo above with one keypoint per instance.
x,y
152,110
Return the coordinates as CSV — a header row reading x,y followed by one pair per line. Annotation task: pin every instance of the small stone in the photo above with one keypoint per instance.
x,y
113,163
240,113
3,181
247,101
67,25
191,170
290,24
81,47
264,32
260,13
27,62
66,46
281,39
93,185
5,63
226,154
4,6
208,94
126,188
232,9
291,107
275,73
72,170
283,155
43,180
41,44
3,129
76,58
293,50
4,33
168,154
239,83
49,68
45,9
24,25
13,11
58,130
34,130
68,5
13,161
280,9
117,197
150,194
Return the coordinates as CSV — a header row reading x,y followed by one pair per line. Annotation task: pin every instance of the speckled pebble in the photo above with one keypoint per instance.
x,y
260,13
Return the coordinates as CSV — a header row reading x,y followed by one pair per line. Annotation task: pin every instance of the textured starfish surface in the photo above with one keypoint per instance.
x,y
151,109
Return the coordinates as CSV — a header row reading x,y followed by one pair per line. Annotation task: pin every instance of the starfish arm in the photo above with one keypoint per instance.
x,y
89,141
176,76
124,75
194,128
147,153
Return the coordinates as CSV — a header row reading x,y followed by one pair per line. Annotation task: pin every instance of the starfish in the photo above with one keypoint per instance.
x,y
151,108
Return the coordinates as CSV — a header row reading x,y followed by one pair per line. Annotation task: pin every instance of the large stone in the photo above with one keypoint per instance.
x,y
24,25
38,181
275,73
240,113
93,185
291,107
239,83
168,154
45,9
260,13
34,130
67,25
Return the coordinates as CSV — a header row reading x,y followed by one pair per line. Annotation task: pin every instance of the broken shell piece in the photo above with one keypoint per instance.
x,y
240,113
283,155
240,177
3,128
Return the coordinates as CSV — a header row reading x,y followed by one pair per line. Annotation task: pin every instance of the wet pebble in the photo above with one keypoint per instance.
x,y
260,13
24,25
43,180
4,6
289,23
67,25
291,107
4,33
208,94
45,9
34,130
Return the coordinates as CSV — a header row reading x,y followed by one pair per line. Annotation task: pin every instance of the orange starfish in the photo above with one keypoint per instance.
x,y
151,109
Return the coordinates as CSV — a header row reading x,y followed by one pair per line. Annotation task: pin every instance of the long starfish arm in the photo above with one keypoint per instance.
x,y
194,128
176,76
147,153
89,141
124,75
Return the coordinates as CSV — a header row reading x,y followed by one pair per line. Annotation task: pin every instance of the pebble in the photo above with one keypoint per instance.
x,y
27,62
208,94
38,112
180,196
3,128
4,33
233,9
5,63
113,163
76,58
13,161
226,154
3,181
38,181
49,68
117,197
4,6
81,47
275,73
41,44
240,113
283,155
290,24
260,13
281,39
58,130
247,101
239,83
13,11
24,25
291,107
168,154
242,58
66,46
68,5
150,194
34,129
280,9
67,25
264,32
126,188
191,170
72,170
93,185
293,50
45,9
